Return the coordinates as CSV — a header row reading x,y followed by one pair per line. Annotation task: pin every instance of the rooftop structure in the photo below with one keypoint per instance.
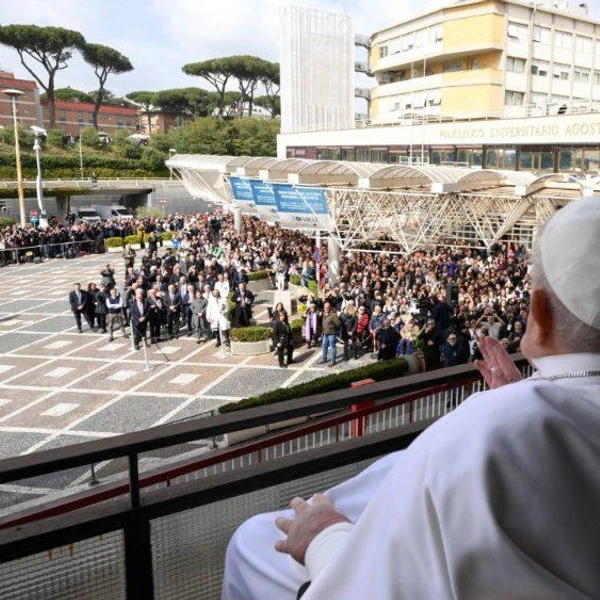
x,y
500,84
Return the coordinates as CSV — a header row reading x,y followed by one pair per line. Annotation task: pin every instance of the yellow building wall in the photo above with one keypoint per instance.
x,y
476,30
482,98
374,108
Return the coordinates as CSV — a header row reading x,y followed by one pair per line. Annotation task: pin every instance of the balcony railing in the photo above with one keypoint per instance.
x,y
163,534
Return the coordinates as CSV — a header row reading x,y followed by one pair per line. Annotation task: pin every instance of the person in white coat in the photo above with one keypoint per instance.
x,y
498,500
217,315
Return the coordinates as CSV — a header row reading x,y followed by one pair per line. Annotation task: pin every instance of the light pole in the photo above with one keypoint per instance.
x,y
13,95
38,183
172,152
80,157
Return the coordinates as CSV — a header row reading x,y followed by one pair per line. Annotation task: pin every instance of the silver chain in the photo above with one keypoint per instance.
x,y
574,374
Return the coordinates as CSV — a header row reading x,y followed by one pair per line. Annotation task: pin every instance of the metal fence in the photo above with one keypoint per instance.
x,y
66,250
163,534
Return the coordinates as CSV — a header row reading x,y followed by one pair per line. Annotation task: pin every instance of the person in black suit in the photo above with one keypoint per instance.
x,y
283,338
156,314
173,306
243,299
78,300
139,311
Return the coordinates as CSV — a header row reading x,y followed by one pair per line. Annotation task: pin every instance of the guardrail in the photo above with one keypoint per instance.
x,y
66,250
412,118
169,533
118,182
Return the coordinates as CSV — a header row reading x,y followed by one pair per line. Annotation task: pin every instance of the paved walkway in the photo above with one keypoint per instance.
x,y
59,387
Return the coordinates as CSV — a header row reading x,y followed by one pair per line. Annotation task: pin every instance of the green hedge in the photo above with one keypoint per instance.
x,y
379,371
256,333
6,222
296,325
256,275
114,242
313,286
132,239
295,279
168,235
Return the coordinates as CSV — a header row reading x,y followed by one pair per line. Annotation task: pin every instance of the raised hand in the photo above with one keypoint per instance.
x,y
496,367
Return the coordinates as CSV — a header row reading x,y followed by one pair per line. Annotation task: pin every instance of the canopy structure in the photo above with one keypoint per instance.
x,y
366,204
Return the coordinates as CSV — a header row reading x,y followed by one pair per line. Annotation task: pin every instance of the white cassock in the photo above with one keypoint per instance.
x,y
500,500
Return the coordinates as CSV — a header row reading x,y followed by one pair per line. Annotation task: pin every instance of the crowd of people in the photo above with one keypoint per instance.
x,y
435,305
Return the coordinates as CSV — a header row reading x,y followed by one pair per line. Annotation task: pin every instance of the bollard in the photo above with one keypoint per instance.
x,y
358,424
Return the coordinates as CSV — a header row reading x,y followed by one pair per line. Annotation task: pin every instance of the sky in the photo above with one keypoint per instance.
x,y
160,36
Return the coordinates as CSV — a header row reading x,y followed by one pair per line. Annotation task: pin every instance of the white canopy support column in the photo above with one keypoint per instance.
x,y
333,255
237,219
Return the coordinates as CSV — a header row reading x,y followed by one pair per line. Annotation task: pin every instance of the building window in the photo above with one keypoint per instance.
x,y
512,98
435,34
562,39
515,65
596,78
543,35
119,122
583,44
560,71
517,31
80,118
540,68
475,64
91,118
581,75
383,51
452,66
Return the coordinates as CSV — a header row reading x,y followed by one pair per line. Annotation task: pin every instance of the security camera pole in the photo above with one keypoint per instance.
x,y
13,95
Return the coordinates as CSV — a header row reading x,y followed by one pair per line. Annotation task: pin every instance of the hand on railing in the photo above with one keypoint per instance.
x,y
497,367
310,520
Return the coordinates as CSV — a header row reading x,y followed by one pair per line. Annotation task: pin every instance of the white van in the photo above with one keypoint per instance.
x,y
88,214
114,212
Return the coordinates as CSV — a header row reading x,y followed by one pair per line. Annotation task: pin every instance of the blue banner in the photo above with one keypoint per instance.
x,y
241,189
264,199
302,208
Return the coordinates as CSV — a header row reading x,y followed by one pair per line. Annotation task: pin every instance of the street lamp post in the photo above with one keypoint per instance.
x,y
38,183
172,152
13,95
80,157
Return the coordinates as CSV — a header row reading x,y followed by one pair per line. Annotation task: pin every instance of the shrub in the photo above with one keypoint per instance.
x,y
379,371
256,275
55,138
7,222
132,239
313,287
114,242
296,325
89,137
144,211
256,333
295,279
168,235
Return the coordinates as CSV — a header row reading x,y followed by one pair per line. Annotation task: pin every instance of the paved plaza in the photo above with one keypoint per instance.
x,y
60,387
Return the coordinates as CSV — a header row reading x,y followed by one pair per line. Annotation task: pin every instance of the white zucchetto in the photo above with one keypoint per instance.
x,y
570,254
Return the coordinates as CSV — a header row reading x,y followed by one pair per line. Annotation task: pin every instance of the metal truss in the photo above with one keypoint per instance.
x,y
413,220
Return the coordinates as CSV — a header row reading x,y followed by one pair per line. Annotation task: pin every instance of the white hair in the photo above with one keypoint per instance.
x,y
576,335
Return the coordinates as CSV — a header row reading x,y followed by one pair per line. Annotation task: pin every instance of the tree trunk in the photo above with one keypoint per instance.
x,y
95,114
149,117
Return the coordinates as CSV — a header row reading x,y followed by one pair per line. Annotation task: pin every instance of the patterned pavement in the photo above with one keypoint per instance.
x,y
60,387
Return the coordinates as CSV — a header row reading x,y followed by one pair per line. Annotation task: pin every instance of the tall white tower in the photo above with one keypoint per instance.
x,y
317,69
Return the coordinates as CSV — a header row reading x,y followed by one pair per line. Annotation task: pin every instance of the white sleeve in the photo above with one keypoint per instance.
x,y
326,546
